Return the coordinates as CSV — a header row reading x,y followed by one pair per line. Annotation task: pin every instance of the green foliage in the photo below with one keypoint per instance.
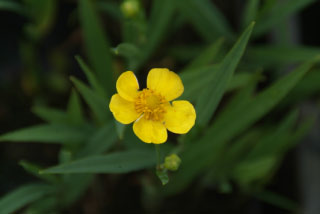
x,y
23,196
120,162
97,45
238,139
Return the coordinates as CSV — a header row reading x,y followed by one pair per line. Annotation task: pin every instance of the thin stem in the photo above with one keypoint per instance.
x,y
157,147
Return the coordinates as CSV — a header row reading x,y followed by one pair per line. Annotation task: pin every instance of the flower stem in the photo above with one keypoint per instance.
x,y
157,147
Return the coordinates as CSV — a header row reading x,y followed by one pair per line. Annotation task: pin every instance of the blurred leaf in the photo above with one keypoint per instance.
x,y
42,15
50,115
97,104
34,170
100,141
163,176
161,15
232,123
250,12
206,19
277,200
275,141
22,196
111,8
97,45
120,128
130,52
279,12
207,56
272,55
117,162
55,133
247,171
74,109
73,188
12,6
211,96
91,77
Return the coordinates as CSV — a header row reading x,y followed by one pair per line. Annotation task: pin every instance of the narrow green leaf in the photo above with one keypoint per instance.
x,y
34,170
278,200
91,77
248,171
279,12
98,105
12,6
161,15
130,52
198,157
97,45
55,133
211,96
100,141
51,115
206,57
118,162
273,55
163,176
74,109
22,196
250,12
206,19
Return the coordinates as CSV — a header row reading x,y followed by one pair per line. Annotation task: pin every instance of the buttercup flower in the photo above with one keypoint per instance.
x,y
150,109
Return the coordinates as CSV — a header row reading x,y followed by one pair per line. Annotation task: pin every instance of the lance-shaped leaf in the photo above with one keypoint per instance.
x,y
97,45
118,162
220,78
22,196
55,133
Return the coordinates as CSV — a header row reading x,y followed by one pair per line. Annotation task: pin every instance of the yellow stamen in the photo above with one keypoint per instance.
x,y
151,104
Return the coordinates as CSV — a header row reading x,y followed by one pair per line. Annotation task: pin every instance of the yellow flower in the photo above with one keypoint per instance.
x,y
151,108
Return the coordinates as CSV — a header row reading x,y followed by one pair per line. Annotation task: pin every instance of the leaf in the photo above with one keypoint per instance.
x,y
98,105
117,162
247,171
273,55
161,15
211,96
250,12
91,77
97,45
206,57
22,196
206,19
34,170
50,115
12,6
163,176
230,124
277,200
74,109
100,141
279,12
130,52
55,133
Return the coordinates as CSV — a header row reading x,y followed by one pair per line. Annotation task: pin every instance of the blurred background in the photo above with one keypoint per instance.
x,y
39,42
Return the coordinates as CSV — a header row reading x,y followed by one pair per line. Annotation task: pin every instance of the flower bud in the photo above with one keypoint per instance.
x,y
172,162
130,8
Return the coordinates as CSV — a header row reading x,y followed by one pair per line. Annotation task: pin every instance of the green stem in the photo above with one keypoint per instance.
x,y
157,147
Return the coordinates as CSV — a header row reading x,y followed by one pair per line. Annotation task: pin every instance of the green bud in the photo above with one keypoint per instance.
x,y
130,8
172,162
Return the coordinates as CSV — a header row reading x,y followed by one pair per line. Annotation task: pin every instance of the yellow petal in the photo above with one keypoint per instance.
x,y
150,131
181,117
165,82
123,110
128,86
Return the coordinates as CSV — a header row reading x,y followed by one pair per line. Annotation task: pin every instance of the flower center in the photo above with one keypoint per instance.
x,y
151,104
